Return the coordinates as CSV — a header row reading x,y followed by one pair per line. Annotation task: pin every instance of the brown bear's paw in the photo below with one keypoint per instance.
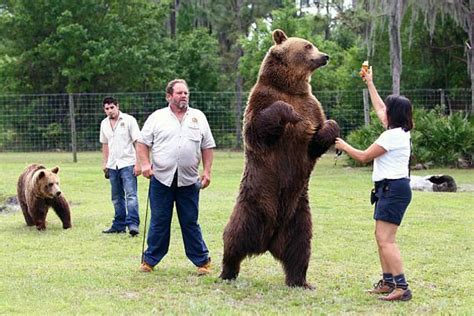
x,y
227,274
323,139
41,227
331,130
305,285
293,117
308,286
67,226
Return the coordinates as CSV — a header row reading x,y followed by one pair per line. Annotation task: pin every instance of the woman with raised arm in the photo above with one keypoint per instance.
x,y
392,193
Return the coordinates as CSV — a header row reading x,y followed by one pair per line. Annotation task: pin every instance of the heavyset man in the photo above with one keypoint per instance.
x,y
178,137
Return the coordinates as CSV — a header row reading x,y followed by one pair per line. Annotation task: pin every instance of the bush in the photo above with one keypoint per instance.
x,y
437,139
442,140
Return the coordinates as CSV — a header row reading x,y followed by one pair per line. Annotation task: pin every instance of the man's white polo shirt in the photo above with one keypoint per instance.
x,y
120,140
176,145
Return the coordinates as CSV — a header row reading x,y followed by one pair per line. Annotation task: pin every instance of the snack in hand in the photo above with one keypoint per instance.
x,y
365,66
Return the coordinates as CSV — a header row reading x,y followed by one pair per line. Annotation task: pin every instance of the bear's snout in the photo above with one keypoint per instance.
x,y
323,60
320,61
58,193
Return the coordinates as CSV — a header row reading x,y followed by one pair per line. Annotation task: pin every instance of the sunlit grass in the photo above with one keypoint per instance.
x,y
82,271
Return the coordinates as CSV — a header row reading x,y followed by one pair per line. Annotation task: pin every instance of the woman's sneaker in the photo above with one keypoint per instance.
x,y
381,287
398,294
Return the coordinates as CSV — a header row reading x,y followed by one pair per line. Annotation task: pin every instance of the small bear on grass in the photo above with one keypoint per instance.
x,y
38,190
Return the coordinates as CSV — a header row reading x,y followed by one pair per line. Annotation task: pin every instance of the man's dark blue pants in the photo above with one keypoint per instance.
x,y
186,199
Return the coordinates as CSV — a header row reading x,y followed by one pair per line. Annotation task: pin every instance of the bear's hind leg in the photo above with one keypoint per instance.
x,y
61,207
231,265
296,252
39,211
238,243
24,208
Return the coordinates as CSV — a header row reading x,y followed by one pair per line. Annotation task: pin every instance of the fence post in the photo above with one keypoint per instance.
x,y
365,95
73,127
442,102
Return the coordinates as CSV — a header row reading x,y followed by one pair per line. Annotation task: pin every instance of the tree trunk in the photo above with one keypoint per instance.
x,y
238,80
327,30
395,44
471,52
174,10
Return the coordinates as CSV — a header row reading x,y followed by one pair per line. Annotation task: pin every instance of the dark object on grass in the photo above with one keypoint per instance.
x,y
443,183
437,183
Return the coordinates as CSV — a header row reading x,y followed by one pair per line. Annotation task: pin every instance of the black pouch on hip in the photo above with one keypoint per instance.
x,y
373,197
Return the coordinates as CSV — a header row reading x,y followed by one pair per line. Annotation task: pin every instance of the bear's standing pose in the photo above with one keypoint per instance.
x,y
285,131
38,190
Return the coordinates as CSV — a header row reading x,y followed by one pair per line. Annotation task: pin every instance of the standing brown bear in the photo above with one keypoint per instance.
x,y
285,131
38,190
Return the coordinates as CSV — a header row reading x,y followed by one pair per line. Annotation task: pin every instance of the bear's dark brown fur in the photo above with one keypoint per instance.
x,y
38,190
285,131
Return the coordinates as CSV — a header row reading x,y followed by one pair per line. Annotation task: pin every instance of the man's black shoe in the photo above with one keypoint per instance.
x,y
112,230
133,230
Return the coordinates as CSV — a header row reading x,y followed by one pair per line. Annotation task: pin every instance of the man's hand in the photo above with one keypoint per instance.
x,y
137,170
147,170
205,180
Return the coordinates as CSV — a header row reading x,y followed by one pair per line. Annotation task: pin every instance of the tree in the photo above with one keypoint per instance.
x,y
82,46
461,11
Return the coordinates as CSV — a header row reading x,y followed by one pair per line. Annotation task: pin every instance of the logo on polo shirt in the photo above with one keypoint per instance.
x,y
194,120
122,124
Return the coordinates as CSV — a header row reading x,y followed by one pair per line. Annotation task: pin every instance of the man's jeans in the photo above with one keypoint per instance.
x,y
124,197
162,199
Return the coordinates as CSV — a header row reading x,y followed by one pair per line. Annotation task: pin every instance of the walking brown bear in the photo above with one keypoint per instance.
x,y
38,190
285,131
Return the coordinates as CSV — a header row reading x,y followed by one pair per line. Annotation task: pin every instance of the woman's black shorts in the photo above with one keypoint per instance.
x,y
393,199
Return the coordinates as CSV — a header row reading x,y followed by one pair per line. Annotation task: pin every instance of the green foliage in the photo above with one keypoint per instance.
x,y
442,139
112,45
436,139
199,61
435,62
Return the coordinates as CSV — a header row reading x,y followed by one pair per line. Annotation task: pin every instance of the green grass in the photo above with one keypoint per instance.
x,y
82,271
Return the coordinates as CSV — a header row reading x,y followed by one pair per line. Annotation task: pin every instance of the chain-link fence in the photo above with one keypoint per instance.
x,y
70,122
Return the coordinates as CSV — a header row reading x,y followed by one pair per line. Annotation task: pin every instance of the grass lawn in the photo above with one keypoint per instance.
x,y
82,271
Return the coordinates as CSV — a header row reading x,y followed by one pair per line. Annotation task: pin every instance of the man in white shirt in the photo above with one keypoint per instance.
x,y
178,137
118,135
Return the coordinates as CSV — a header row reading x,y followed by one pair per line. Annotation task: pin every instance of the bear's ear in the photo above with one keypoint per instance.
x,y
279,36
55,170
41,175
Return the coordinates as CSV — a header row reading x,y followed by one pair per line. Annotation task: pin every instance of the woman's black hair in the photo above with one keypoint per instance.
x,y
399,112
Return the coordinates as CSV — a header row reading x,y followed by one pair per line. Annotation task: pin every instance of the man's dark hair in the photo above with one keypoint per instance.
x,y
399,112
109,100
172,83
